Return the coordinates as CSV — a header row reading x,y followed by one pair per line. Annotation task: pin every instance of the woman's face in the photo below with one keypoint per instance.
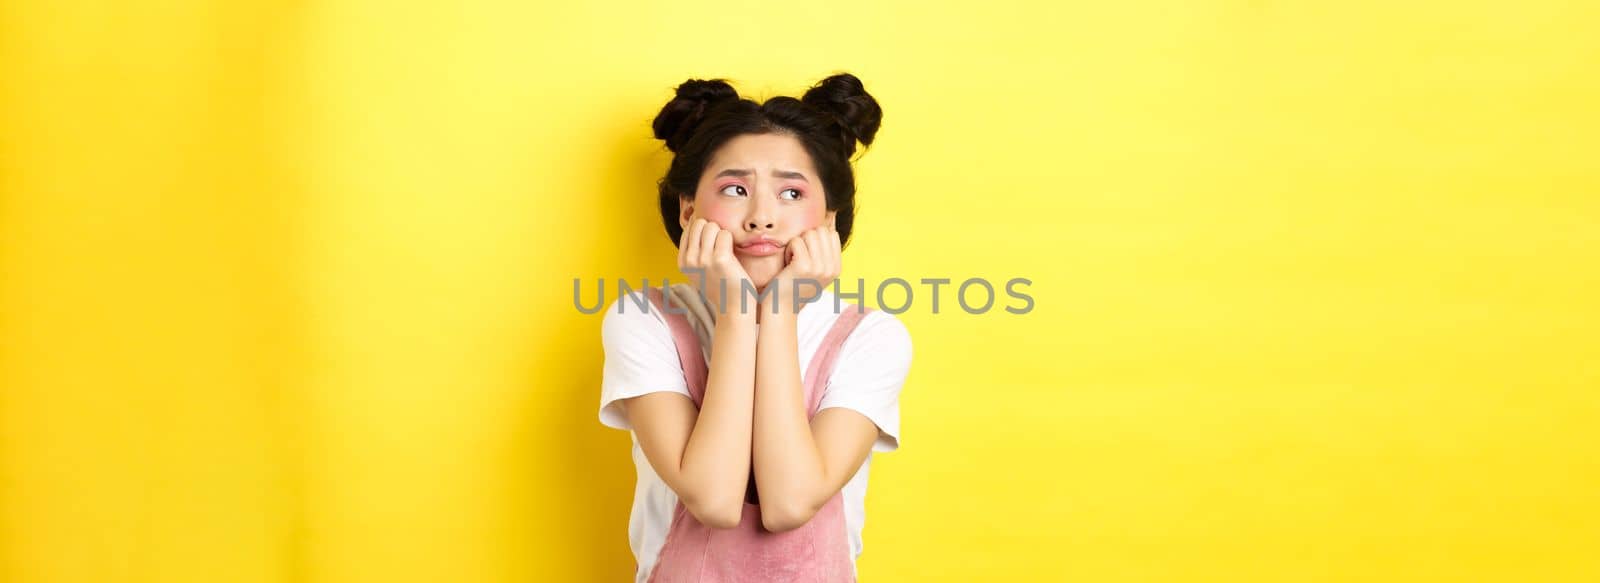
x,y
759,186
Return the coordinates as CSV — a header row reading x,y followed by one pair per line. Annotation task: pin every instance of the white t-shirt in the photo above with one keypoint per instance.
x,y
640,358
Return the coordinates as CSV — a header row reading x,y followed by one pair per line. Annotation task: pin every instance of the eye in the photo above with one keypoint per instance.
x,y
740,191
794,190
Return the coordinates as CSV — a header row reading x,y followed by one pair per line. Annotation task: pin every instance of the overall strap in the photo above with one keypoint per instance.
x,y
822,363
688,344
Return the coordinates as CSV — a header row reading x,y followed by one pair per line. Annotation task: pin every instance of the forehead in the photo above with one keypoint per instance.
x,y
763,152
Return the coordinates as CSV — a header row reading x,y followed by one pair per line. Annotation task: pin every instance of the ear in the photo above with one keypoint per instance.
x,y
685,211
832,219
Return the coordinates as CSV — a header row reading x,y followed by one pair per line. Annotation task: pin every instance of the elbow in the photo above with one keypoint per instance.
x,y
720,514
716,518
785,515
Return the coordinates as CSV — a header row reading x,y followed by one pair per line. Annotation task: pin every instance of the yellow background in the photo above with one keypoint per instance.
x,y
285,287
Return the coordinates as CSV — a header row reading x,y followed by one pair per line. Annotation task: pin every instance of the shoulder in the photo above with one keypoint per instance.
x,y
879,334
884,330
632,315
874,363
640,357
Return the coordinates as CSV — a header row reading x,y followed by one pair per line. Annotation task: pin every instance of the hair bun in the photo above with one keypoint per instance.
x,y
846,100
695,98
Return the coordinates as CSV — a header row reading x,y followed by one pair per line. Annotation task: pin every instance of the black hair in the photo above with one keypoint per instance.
x,y
828,120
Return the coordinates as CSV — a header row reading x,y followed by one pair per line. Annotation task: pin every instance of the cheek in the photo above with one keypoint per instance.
x,y
725,215
812,216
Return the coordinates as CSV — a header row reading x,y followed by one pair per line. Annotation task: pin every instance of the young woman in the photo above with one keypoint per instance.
x,y
753,408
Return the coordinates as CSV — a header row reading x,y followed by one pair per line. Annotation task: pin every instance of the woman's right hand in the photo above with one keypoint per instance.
x,y
708,248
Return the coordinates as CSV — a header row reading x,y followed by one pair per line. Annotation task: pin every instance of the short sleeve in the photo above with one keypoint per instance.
x,y
640,357
871,369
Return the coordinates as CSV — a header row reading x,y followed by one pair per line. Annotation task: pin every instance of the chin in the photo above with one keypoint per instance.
x,y
761,271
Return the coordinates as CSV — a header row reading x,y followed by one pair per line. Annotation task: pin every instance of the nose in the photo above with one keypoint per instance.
x,y
760,216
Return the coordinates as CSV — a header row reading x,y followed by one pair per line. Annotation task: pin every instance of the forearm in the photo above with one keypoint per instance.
x,y
716,459
788,465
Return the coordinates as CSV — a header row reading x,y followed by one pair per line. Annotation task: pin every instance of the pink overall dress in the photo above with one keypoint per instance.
x,y
817,552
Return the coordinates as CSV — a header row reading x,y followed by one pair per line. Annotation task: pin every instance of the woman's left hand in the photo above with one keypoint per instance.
x,y
813,259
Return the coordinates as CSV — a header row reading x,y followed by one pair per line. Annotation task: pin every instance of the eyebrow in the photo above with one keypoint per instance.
x,y
747,173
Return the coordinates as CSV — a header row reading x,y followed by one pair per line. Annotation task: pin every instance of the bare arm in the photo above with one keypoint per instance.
x,y
704,455
798,465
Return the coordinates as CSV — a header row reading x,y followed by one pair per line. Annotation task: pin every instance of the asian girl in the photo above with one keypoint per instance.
x,y
754,415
